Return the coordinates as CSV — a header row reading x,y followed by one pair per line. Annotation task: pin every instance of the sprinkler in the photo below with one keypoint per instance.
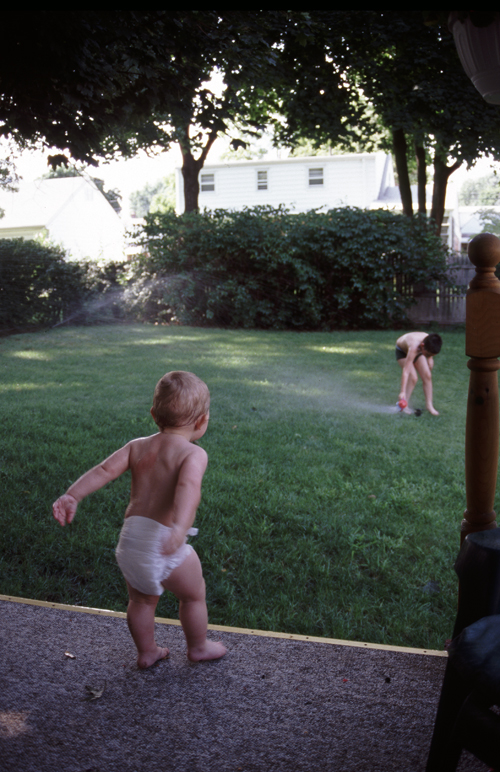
x,y
402,404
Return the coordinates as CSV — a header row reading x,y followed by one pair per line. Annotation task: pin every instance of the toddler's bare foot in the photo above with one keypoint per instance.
x,y
150,657
407,411
209,650
432,411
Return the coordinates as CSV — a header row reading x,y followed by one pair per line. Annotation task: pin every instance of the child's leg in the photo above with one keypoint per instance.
x,y
141,623
188,585
424,368
410,384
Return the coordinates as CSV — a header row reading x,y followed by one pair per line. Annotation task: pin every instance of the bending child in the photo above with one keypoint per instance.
x,y
415,354
153,555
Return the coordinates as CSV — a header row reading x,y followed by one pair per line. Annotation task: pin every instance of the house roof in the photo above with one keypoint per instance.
x,y
36,204
313,159
70,211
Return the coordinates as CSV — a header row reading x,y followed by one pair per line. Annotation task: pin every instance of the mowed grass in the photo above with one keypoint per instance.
x,y
323,512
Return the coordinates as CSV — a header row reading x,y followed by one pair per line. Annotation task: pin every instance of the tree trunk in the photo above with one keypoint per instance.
x,y
190,171
442,174
439,192
192,166
399,144
421,177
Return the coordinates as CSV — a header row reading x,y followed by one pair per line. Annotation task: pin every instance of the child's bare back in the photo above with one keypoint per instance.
x,y
167,471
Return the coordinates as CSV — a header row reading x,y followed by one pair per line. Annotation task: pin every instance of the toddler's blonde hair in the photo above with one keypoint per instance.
x,y
180,398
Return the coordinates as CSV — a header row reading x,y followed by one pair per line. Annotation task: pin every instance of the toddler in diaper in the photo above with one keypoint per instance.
x,y
167,469
141,559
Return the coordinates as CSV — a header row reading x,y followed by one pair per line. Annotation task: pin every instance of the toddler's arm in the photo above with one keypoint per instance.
x,y
187,497
64,509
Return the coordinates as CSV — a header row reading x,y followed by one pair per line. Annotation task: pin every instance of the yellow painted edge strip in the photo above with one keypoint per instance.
x,y
239,630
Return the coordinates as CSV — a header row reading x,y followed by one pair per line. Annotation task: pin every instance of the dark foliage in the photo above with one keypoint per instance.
x,y
37,286
267,268
259,268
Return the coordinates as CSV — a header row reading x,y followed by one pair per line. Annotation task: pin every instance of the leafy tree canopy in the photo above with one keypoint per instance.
x,y
84,81
102,83
246,145
490,221
157,196
482,191
364,75
165,199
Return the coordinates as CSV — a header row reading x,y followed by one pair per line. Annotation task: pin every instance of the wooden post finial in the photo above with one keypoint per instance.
x,y
484,253
482,344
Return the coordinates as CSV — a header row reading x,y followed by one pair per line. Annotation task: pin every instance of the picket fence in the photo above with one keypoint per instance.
x,y
444,305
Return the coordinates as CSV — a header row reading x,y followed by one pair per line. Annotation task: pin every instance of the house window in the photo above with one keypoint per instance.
x,y
316,176
207,183
261,180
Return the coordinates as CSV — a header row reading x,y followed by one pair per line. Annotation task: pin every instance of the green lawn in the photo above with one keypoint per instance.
x,y
323,511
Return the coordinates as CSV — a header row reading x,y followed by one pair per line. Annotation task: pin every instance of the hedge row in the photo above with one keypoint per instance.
x,y
37,286
261,267
265,267
40,288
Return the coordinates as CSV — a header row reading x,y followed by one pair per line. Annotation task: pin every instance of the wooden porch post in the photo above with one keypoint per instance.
x,y
482,344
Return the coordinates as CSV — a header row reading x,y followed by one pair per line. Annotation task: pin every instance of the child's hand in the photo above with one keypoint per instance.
x,y
64,509
175,540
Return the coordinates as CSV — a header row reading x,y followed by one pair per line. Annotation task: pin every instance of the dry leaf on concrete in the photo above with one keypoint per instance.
x,y
95,693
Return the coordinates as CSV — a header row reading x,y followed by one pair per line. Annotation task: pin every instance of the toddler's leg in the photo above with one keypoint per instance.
x,y
141,623
188,585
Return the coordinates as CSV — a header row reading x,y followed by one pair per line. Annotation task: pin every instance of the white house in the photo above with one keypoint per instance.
x,y
70,212
450,228
299,184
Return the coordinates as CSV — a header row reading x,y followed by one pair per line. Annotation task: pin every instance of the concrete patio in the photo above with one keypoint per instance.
x,y
275,702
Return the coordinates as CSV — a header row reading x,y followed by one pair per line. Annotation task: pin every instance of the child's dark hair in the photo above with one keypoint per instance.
x,y
432,343
180,398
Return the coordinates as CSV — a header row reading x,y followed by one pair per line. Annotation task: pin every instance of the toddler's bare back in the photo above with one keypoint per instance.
x,y
166,468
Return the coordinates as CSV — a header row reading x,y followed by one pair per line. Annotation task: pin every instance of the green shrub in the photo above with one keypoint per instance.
x,y
102,286
258,268
37,286
267,268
